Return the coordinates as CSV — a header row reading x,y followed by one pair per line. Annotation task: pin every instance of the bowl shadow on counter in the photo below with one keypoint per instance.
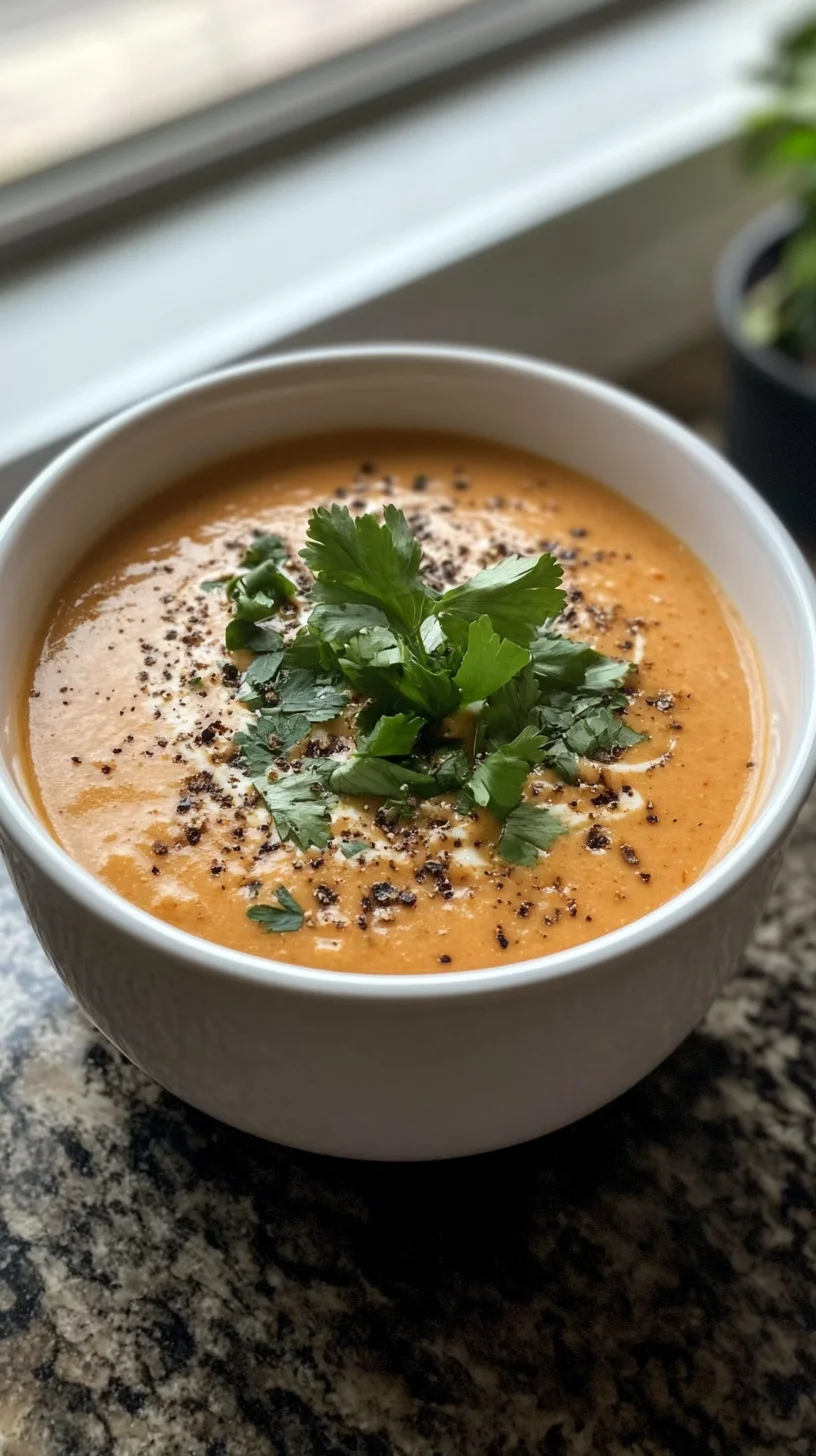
x,y
599,1275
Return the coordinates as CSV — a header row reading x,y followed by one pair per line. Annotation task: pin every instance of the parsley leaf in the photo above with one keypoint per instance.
x,y
392,737
265,548
583,726
303,691
352,847
248,636
286,915
560,662
364,562
263,669
489,662
259,588
337,622
383,667
372,647
528,829
264,737
299,804
600,731
452,771
254,751
517,594
427,689
508,711
378,776
498,781
306,650
259,592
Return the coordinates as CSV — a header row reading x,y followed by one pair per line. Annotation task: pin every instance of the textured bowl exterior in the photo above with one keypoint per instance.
x,y
418,1066
385,1079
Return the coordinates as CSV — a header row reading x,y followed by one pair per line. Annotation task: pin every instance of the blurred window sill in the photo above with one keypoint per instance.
x,y
571,204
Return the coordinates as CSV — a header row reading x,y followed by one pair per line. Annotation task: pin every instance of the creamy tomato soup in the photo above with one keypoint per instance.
x,y
135,703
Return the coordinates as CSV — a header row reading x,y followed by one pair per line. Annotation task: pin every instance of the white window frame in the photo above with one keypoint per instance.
x,y
570,204
242,128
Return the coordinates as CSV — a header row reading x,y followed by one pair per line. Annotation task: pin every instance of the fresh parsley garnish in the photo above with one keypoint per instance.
x,y
361,774
249,637
397,661
363,562
264,669
259,587
517,595
498,780
489,662
299,804
528,829
286,915
392,737
312,694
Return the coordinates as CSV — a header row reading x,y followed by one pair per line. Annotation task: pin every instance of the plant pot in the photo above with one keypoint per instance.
x,y
771,416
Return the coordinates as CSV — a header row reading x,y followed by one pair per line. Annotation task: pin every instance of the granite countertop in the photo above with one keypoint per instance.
x,y
642,1282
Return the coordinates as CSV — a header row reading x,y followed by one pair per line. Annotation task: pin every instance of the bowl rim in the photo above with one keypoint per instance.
x,y
761,837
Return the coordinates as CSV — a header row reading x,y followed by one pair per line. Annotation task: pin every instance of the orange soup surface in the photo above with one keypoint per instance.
x,y
133,705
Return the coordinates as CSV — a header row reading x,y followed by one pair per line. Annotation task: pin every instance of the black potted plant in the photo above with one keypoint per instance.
x,y
766,294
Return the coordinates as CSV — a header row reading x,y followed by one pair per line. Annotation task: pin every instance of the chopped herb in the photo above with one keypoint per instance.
x,y
392,737
264,669
528,829
498,781
268,735
409,658
517,594
306,692
258,593
259,588
452,771
299,804
559,662
366,563
378,776
286,915
265,548
248,636
489,662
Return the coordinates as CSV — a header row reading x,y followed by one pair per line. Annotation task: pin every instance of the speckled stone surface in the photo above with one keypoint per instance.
x,y
644,1282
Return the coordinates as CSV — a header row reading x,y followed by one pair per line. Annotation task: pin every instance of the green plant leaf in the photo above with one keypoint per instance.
x,y
560,662
364,562
518,594
528,829
498,781
392,736
489,662
337,622
299,804
381,778
249,637
263,670
285,916
265,548
303,691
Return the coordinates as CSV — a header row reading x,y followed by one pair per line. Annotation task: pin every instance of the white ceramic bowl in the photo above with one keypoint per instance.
x,y
420,1066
